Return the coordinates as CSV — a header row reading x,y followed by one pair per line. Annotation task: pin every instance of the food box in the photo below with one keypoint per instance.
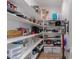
x,y
13,33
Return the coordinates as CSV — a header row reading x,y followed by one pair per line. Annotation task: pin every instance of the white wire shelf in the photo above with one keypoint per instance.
x,y
17,18
26,52
10,40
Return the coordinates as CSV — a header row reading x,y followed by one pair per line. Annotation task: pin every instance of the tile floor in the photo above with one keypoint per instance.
x,y
48,56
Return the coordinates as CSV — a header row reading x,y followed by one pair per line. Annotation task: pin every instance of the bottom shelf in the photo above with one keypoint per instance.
x,y
35,56
27,51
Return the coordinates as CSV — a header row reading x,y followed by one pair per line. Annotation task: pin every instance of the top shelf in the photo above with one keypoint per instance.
x,y
17,18
23,7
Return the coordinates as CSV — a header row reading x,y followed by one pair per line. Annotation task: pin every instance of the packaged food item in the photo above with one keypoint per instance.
x,y
24,31
20,15
13,33
34,30
58,23
54,30
32,19
36,8
57,43
11,7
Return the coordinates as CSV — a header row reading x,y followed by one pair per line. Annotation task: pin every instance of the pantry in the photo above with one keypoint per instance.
x,y
37,29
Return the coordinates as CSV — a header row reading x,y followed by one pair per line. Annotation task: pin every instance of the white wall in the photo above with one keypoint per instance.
x,y
67,13
57,10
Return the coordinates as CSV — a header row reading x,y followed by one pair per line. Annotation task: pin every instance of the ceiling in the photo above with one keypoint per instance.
x,y
46,3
